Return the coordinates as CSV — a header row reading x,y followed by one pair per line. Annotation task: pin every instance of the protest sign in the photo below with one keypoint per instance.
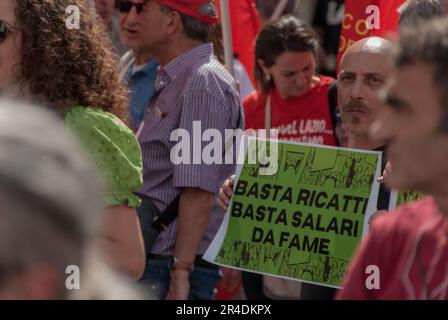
x,y
305,221
399,198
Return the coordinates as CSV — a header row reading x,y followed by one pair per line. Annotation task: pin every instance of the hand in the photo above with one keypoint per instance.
x,y
376,215
231,279
225,193
386,173
179,285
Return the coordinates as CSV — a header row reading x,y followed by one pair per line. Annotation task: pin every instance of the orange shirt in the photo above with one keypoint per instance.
x,y
304,119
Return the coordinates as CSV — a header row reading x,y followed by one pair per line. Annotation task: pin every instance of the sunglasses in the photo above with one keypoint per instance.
x,y
5,30
125,6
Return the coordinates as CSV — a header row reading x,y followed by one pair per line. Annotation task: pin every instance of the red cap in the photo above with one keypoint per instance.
x,y
202,10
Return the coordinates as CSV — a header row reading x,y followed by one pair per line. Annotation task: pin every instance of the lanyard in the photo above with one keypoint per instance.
x,y
268,114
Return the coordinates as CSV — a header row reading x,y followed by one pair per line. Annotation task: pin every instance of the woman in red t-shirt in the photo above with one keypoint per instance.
x,y
292,98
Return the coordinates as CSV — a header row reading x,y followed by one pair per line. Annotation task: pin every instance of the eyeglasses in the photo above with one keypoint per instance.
x,y
125,6
5,30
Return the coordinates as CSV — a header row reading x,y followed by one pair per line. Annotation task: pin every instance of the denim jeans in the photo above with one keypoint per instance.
x,y
156,281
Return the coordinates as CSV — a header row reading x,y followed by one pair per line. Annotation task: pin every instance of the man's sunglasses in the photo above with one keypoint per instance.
x,y
125,6
5,30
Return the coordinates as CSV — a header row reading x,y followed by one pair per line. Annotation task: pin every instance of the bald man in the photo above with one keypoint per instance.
x,y
363,72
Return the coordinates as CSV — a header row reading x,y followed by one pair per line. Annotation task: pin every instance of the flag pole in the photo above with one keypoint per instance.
x,y
281,5
227,35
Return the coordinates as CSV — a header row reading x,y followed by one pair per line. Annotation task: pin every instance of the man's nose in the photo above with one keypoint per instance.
x,y
356,90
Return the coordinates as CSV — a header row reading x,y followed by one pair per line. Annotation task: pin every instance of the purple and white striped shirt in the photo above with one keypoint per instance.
x,y
193,87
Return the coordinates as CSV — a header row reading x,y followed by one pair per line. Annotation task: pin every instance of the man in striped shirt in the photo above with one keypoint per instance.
x,y
193,90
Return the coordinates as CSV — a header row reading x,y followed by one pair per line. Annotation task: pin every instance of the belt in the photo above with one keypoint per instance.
x,y
198,261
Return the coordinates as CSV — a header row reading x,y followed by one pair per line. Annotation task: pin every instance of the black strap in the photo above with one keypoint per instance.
x,y
166,217
240,117
333,106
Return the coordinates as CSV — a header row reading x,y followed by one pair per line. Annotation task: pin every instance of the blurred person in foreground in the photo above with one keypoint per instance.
x,y
73,72
50,212
414,10
410,246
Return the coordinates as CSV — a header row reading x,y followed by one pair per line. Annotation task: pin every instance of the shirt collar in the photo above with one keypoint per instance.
x,y
147,68
183,62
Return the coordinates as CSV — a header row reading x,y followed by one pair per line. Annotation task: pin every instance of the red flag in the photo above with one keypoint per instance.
x,y
245,27
389,18
379,13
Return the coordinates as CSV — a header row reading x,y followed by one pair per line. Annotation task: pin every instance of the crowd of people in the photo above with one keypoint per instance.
x,y
103,193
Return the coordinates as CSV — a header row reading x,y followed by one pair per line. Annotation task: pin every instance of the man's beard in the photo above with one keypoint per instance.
x,y
353,123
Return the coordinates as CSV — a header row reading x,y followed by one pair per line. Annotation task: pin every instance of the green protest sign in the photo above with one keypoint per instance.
x,y
303,222
402,197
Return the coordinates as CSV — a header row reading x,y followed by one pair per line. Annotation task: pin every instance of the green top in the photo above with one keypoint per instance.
x,y
113,149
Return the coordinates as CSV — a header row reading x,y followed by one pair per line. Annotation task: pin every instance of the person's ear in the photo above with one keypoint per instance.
x,y
174,22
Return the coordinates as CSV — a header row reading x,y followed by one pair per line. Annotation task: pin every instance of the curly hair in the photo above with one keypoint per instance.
x,y
69,66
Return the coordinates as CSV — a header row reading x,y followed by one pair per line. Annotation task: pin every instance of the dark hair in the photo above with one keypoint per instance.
x,y
427,42
420,10
284,34
193,28
66,67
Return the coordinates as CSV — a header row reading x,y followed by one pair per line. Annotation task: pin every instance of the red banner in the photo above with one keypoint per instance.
x,y
245,27
366,18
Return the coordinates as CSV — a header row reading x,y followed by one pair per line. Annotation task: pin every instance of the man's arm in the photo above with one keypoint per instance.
x,y
199,183
194,211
